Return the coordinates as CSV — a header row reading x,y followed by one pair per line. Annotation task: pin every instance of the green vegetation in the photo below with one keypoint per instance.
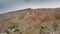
x,y
12,27
58,19
16,30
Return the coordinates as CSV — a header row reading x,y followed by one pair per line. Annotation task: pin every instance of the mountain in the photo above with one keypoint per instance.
x,y
31,16
25,13
33,21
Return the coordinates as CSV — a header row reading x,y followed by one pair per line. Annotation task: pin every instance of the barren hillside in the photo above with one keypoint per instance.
x,y
32,19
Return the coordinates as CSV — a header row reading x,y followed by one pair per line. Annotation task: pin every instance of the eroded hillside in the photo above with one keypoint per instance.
x,y
32,20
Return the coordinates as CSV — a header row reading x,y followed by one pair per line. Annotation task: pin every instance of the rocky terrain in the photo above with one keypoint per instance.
x,y
32,20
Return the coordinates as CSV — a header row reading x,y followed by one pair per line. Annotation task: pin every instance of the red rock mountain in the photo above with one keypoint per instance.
x,y
32,16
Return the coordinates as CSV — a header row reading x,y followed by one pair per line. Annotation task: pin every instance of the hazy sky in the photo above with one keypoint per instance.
x,y
12,5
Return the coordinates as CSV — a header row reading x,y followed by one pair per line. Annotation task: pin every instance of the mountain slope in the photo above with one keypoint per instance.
x,y
32,20
51,14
